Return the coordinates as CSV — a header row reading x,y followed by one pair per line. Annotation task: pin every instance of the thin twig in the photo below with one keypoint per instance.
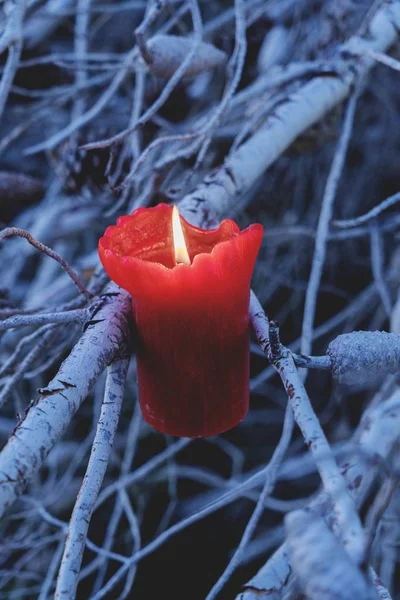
x,y
24,365
81,47
380,57
11,360
52,571
142,471
377,511
165,94
71,316
11,231
312,362
14,51
91,113
270,479
377,262
238,59
323,223
51,413
153,10
371,214
132,440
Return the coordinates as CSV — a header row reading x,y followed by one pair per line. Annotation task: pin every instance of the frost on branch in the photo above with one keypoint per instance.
x,y
364,356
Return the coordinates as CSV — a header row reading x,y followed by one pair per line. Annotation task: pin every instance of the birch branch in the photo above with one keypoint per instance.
x,y
270,479
71,316
371,214
320,561
334,484
222,192
382,592
49,415
376,437
129,453
321,235
219,194
67,581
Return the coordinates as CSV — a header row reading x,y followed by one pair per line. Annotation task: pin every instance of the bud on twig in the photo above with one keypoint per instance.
x,y
274,49
166,52
364,356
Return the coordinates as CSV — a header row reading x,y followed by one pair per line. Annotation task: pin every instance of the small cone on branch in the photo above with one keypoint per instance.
x,y
167,53
364,356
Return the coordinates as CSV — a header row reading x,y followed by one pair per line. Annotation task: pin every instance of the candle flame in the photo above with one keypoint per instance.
x,y
181,253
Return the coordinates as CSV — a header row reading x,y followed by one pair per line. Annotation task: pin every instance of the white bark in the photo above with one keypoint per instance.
x,y
222,192
67,581
50,414
348,522
320,561
377,436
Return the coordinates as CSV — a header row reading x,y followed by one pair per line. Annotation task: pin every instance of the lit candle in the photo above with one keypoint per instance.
x,y
190,289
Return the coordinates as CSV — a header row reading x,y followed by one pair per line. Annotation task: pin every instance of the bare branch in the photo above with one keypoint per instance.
x,y
270,479
371,214
323,223
347,518
14,42
79,524
48,416
377,262
320,562
223,191
70,316
24,365
376,437
11,231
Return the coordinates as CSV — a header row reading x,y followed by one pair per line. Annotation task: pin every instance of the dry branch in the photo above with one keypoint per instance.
x,y
349,525
223,191
79,524
321,563
49,415
11,231
374,441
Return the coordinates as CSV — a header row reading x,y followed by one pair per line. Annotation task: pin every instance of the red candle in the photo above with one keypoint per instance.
x,y
190,289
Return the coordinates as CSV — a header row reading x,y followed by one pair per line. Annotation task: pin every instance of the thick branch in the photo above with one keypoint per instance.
x,y
375,439
49,415
223,191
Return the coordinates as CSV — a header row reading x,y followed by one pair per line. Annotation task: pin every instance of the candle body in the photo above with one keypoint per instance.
x,y
194,383
192,320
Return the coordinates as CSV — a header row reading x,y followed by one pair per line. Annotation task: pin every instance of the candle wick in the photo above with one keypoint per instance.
x,y
181,253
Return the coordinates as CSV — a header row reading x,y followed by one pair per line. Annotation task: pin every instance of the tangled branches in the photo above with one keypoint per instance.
x,y
285,112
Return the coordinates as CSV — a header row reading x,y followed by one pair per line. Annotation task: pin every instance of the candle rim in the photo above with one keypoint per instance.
x,y
164,206
127,258
219,246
